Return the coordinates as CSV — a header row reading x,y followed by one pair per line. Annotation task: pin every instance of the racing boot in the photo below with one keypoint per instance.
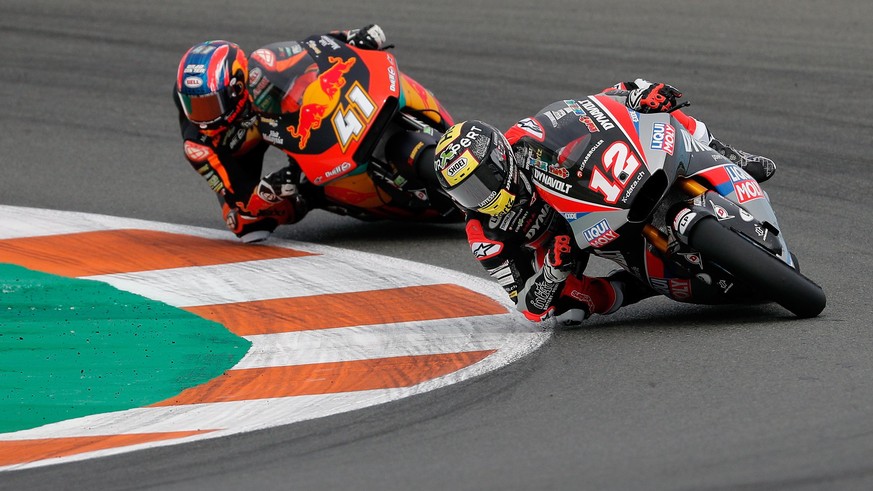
x,y
583,296
628,287
760,168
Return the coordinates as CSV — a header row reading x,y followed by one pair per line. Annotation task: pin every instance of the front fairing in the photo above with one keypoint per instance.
x,y
320,100
419,101
602,182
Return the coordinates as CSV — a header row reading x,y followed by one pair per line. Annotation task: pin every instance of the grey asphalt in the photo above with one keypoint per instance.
x,y
658,396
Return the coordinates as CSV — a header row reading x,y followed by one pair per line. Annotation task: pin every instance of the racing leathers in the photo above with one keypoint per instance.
x,y
514,247
231,160
526,249
230,157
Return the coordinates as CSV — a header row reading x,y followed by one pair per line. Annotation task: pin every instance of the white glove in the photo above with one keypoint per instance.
x,y
370,37
277,186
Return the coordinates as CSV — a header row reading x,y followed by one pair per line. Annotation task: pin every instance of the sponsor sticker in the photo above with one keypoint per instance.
x,y
484,250
663,137
682,219
745,186
533,127
196,152
193,82
748,190
600,234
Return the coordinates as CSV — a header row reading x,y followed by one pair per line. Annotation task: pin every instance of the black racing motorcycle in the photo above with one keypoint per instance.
x,y
673,212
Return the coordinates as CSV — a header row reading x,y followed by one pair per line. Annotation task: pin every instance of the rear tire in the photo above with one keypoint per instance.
x,y
757,268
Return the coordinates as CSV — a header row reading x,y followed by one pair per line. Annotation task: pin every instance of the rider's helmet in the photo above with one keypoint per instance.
x,y
475,165
211,83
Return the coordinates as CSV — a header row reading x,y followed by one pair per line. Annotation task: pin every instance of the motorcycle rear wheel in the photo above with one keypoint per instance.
x,y
757,268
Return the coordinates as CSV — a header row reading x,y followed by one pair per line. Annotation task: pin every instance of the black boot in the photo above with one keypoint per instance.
x,y
632,289
760,168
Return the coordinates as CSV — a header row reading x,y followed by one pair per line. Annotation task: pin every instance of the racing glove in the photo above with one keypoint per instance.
x,y
653,98
559,260
369,37
247,227
277,185
278,193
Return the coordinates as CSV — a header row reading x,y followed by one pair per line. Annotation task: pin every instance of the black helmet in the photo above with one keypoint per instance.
x,y
211,83
475,165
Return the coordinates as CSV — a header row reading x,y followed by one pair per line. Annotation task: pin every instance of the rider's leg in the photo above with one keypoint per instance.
x,y
760,168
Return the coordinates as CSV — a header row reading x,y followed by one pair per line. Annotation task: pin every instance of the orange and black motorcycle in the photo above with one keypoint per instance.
x,y
359,128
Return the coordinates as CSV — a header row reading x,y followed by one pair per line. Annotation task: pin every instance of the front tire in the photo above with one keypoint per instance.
x,y
757,268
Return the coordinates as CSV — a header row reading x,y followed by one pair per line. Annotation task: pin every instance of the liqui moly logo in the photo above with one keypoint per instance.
x,y
663,137
676,288
600,234
746,188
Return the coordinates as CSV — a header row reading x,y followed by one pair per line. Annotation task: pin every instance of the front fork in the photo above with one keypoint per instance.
x,y
658,239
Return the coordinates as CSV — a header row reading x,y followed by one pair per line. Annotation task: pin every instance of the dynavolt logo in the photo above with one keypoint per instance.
x,y
321,98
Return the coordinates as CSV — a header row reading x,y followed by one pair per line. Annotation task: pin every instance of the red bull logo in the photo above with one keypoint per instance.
x,y
320,99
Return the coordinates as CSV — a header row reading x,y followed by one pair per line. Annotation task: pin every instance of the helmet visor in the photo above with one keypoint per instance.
x,y
478,189
208,108
490,187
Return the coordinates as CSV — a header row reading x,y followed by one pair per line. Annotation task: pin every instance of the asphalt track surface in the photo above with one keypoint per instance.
x,y
657,396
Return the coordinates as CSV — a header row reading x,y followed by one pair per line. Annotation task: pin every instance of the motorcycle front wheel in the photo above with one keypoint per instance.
x,y
757,268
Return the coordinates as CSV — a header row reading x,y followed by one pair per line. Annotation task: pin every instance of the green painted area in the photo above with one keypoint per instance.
x,y
72,347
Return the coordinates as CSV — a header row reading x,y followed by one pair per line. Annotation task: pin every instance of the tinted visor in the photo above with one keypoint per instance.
x,y
478,188
493,180
209,108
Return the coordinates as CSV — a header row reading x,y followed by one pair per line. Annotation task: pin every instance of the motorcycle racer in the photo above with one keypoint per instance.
x,y
524,244
361,131
222,142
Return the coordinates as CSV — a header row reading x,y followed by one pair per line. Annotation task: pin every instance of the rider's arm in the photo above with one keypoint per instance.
x,y
519,269
502,256
694,126
569,296
537,285
206,162
201,155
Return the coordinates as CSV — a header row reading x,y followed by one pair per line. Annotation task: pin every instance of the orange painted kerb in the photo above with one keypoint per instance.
x,y
128,251
408,304
24,451
325,378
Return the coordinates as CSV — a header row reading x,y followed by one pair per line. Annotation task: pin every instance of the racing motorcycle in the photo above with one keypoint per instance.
x,y
358,127
640,191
